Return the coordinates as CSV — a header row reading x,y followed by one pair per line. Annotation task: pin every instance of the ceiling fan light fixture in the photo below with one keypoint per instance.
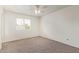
x,y
37,9
36,12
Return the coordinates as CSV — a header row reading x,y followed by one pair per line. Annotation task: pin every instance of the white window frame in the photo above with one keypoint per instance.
x,y
23,24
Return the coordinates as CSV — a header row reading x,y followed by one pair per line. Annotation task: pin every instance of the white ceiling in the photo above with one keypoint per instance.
x,y
29,9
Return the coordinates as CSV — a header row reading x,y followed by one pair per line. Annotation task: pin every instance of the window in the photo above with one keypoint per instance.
x,y
23,24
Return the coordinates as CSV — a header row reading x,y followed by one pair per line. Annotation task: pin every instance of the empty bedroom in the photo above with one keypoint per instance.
x,y
39,29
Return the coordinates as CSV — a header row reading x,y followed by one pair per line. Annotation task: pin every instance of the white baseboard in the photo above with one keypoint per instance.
x,y
44,37
70,44
20,39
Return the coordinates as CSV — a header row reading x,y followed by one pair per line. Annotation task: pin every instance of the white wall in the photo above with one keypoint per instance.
x,y
62,25
10,27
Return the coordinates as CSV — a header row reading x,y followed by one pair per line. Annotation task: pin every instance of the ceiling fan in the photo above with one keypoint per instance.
x,y
37,9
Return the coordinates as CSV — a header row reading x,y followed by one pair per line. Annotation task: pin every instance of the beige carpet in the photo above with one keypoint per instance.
x,y
37,45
